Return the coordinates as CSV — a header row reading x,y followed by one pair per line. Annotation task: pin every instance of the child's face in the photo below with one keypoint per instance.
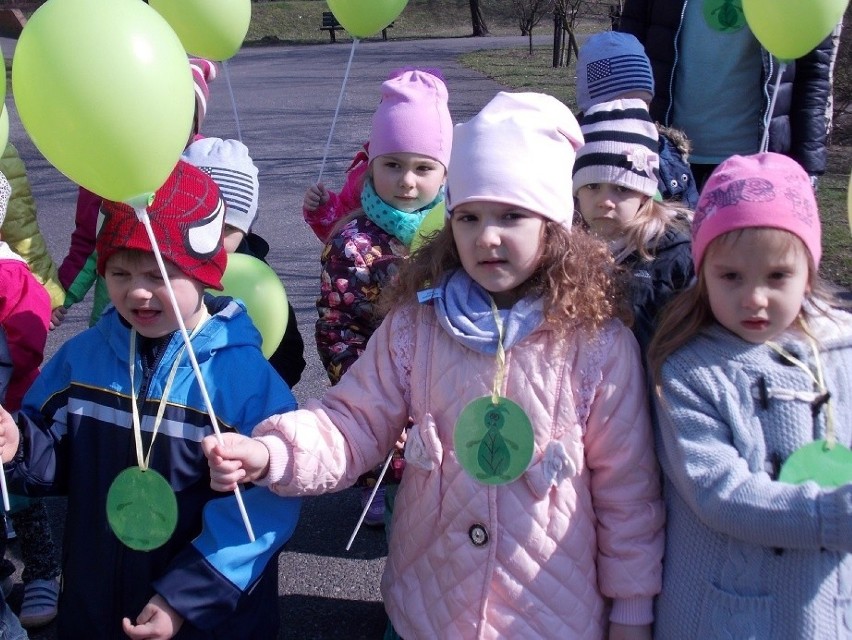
x,y
756,282
407,181
608,208
499,246
139,293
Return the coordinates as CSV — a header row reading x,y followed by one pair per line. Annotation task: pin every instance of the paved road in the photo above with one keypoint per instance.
x,y
285,99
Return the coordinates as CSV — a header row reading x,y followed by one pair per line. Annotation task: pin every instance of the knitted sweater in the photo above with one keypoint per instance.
x,y
748,556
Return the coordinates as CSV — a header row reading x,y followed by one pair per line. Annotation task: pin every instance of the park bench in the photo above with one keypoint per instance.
x,y
330,24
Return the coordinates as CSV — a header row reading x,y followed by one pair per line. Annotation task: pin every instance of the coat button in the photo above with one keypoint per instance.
x,y
478,535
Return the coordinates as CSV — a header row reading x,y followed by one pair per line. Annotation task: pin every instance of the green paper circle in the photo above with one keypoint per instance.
x,y
493,443
141,509
827,467
725,16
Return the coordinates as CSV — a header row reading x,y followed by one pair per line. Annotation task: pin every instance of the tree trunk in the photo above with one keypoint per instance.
x,y
476,19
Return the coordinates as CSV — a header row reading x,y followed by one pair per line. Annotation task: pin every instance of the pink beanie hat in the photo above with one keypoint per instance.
x,y
518,150
760,190
413,117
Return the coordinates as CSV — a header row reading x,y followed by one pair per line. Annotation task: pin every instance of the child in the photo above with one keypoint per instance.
x,y
323,209
613,66
517,346
121,398
409,149
752,364
26,313
229,164
615,179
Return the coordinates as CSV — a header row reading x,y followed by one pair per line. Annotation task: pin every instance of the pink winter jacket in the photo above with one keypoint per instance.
x,y
539,557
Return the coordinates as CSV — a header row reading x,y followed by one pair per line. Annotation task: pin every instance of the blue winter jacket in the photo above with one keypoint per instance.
x,y
77,437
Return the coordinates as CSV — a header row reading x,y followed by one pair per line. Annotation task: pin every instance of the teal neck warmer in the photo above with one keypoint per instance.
x,y
401,224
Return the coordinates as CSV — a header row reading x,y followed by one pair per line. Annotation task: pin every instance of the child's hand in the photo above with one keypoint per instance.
x,y
10,437
57,317
237,459
158,621
629,631
315,196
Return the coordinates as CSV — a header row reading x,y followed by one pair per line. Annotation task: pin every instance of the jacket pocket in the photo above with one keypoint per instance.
x,y
735,617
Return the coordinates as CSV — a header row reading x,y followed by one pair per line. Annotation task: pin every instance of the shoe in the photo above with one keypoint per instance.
x,y
40,604
375,516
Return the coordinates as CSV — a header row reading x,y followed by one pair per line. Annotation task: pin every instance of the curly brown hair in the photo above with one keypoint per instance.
x,y
577,277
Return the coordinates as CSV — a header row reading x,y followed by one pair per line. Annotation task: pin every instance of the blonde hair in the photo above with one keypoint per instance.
x,y
577,277
689,312
648,227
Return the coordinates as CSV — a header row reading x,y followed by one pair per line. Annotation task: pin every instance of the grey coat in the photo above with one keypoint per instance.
x,y
748,556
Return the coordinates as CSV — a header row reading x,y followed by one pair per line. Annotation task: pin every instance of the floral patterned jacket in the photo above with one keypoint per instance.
x,y
356,262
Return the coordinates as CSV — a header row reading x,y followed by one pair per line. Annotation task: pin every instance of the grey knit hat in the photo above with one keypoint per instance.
x,y
621,147
610,64
229,164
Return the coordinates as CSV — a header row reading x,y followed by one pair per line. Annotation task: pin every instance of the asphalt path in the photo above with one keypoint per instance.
x,y
285,101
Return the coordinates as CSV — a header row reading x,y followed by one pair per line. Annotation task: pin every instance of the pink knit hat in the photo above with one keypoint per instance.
x,y
203,72
413,117
519,150
761,190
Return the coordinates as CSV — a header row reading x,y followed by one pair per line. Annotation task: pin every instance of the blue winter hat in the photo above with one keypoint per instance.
x,y
610,64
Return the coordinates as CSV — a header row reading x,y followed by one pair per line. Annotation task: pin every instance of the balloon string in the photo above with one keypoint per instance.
x,y
142,215
370,501
233,99
337,109
764,144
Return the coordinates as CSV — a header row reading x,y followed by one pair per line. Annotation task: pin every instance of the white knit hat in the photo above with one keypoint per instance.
x,y
229,164
621,147
518,150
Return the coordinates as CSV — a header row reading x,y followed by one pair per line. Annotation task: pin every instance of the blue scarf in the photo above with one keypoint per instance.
x,y
400,224
464,310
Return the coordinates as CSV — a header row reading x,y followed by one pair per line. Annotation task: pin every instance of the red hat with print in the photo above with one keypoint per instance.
x,y
187,218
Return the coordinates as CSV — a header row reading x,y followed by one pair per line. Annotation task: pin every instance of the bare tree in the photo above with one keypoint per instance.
x,y
529,14
476,19
565,14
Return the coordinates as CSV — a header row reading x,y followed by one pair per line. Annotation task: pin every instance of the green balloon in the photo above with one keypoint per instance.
x,y
258,286
789,29
105,91
363,18
815,461
141,509
212,29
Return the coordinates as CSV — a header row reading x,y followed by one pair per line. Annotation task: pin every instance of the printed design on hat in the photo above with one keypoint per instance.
x,y
202,237
801,207
618,74
237,187
731,194
643,160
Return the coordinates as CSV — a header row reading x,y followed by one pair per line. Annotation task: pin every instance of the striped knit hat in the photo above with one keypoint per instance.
x,y
203,73
621,147
610,64
232,169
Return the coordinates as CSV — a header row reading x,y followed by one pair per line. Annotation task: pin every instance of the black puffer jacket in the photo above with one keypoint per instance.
x,y
800,120
653,283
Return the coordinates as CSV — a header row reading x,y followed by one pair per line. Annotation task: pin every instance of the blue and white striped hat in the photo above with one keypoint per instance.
x,y
610,64
229,164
